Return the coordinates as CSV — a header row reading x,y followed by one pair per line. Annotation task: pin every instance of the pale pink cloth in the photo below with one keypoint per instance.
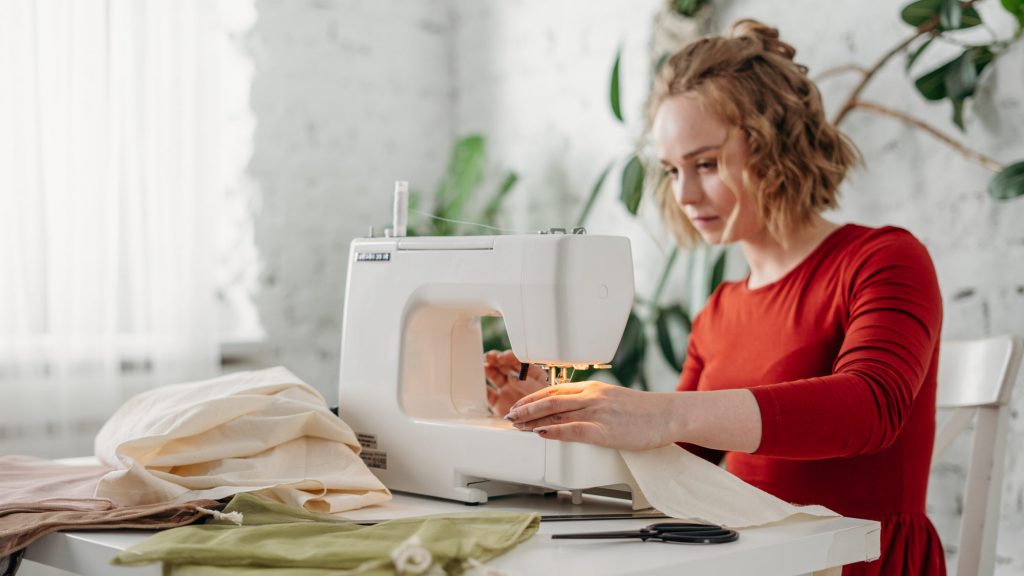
x,y
38,497
29,479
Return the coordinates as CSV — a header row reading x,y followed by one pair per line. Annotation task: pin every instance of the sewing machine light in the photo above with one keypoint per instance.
x,y
559,373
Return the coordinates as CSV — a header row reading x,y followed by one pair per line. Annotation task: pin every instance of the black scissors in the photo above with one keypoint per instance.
x,y
668,532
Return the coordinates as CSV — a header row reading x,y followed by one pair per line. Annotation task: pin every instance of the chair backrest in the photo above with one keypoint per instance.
x,y
975,379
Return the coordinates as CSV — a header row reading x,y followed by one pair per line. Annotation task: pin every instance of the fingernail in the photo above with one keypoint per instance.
x,y
541,431
512,415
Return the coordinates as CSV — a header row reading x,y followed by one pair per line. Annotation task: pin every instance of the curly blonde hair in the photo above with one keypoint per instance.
x,y
748,79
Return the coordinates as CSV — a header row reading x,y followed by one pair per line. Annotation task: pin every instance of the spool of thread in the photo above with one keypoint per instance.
x,y
400,217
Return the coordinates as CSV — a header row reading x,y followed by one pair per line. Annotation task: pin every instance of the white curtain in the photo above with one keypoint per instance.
x,y
108,177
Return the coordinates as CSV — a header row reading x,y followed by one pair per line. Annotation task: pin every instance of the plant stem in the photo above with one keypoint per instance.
x,y
971,155
840,70
593,194
925,28
870,73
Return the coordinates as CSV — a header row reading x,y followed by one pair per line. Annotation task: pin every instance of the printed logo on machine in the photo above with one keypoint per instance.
x,y
373,256
372,457
367,441
375,459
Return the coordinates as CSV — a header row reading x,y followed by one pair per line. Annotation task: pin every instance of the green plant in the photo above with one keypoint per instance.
x,y
939,21
688,8
453,197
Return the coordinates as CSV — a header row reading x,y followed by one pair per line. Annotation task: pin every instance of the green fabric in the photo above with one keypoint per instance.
x,y
281,540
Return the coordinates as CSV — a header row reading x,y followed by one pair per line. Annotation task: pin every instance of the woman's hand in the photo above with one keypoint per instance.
x,y
602,414
502,371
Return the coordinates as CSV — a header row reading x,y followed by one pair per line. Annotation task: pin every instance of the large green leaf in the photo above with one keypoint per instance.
x,y
494,334
961,77
688,8
628,363
670,262
1015,7
950,14
922,11
917,13
464,174
717,273
593,195
933,85
917,53
958,113
614,93
661,61
670,321
632,184
1008,183
493,207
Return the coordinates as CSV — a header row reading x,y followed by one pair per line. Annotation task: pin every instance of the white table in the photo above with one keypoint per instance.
x,y
794,547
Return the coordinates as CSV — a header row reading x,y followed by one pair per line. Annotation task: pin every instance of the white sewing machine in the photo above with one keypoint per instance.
x,y
412,378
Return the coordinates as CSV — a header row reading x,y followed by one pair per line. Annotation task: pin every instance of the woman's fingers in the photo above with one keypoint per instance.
x,y
496,376
588,432
582,414
559,390
507,360
525,414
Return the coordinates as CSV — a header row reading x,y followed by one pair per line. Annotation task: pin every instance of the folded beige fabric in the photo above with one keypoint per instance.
x,y
689,487
39,496
265,431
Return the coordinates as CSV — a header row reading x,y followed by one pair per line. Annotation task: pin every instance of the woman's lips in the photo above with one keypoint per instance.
x,y
704,221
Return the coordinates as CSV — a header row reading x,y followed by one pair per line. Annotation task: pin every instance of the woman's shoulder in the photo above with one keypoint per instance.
x,y
864,233
886,260
883,244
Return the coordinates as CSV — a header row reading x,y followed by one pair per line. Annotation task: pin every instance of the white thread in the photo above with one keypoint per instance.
x,y
508,230
235,518
410,557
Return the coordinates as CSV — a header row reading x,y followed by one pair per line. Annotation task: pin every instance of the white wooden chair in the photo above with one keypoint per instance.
x,y
976,378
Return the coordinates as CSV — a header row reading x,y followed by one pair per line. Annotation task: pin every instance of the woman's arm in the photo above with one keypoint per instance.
x,y
616,417
689,381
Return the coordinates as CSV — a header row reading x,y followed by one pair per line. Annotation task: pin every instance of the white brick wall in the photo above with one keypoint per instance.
x,y
351,95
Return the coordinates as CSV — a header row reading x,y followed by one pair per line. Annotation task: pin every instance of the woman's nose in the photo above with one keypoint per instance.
x,y
686,190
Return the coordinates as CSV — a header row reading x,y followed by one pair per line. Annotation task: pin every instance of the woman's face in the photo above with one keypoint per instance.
x,y
691,143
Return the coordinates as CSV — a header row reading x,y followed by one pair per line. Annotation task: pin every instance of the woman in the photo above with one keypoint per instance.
x,y
815,375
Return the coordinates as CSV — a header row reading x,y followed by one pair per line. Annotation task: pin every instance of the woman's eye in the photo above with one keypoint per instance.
x,y
672,173
707,165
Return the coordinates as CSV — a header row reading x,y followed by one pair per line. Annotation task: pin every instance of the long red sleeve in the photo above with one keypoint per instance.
x,y
841,355
891,315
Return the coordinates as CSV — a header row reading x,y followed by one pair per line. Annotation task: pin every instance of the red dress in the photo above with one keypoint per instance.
x,y
841,354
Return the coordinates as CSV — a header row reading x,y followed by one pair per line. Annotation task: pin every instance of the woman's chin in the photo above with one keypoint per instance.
x,y
711,236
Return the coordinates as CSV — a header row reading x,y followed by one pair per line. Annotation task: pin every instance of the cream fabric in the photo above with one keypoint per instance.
x,y
686,486
263,431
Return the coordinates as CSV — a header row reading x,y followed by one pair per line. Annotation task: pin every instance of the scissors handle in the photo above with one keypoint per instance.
x,y
711,535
